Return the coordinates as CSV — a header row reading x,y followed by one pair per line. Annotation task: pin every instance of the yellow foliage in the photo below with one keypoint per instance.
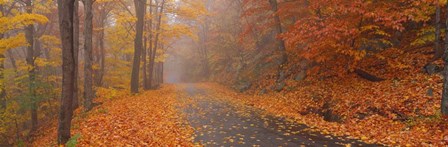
x,y
20,21
12,42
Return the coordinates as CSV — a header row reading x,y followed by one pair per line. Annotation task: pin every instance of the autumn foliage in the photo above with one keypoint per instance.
x,y
376,71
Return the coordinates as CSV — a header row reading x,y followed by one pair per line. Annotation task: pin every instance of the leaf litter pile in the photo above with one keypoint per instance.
x,y
402,110
217,121
147,119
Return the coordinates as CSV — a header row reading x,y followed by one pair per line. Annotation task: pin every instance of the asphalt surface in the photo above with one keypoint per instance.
x,y
219,123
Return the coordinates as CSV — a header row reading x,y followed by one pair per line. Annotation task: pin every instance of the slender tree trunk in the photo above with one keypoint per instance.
x,y
99,79
76,52
444,102
156,42
160,73
140,8
150,34
2,81
203,50
88,55
29,33
144,72
12,59
438,51
278,28
2,74
66,14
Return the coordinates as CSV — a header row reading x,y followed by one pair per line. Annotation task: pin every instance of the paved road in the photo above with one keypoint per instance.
x,y
218,123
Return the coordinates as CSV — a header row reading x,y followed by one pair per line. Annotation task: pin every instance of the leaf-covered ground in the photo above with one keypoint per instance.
x,y
148,119
185,115
220,122
374,113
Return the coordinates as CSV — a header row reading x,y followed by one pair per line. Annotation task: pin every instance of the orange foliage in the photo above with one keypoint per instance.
x,y
148,119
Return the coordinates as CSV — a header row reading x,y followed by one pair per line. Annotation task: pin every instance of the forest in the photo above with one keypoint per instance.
x,y
223,73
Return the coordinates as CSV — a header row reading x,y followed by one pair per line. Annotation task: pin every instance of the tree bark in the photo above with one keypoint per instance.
x,y
76,52
149,53
278,28
2,74
444,101
88,55
66,14
144,71
102,55
156,42
438,51
12,59
2,80
368,76
140,8
160,73
29,33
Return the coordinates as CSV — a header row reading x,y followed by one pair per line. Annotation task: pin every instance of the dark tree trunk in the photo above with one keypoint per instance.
x,y
76,52
66,11
2,80
444,102
2,74
140,8
156,42
368,76
438,51
88,55
278,29
29,33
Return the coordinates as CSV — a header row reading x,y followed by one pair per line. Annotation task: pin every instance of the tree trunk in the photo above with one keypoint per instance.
x,y
2,74
278,28
203,50
156,42
150,35
12,59
29,33
2,81
102,55
88,55
66,11
161,72
438,51
140,8
444,102
144,71
76,51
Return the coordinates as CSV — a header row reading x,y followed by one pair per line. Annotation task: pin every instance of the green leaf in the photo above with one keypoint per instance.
x,y
73,141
